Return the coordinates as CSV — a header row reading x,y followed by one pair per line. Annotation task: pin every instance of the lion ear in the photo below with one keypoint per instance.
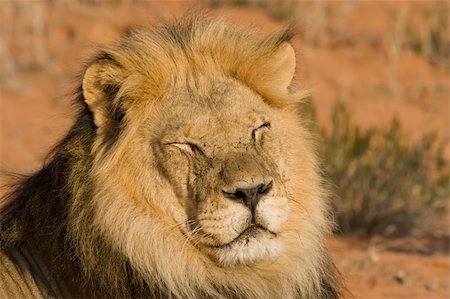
x,y
282,66
273,74
101,83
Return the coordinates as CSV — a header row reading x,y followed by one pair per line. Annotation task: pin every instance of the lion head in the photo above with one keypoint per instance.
x,y
202,180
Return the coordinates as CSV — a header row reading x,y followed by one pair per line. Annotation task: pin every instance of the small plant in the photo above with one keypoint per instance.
x,y
384,184
431,38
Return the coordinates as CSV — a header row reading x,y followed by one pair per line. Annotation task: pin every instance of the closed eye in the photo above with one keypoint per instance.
x,y
259,130
187,147
264,125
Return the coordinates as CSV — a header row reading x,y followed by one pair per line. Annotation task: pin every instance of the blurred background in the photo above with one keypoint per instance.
x,y
379,75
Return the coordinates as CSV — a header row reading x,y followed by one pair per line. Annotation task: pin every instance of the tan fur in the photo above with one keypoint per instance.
x,y
206,110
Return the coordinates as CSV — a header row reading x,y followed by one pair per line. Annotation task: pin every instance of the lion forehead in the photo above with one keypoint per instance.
x,y
217,124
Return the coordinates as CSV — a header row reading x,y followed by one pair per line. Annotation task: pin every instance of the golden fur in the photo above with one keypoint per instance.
x,y
181,119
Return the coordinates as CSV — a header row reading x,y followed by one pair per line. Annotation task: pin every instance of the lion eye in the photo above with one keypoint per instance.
x,y
256,133
187,147
265,125
183,146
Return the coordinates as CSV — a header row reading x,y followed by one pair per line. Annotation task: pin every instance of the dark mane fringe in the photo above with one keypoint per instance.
x,y
32,195
37,205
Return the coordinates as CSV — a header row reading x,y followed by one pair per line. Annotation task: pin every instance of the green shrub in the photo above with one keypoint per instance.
x,y
384,183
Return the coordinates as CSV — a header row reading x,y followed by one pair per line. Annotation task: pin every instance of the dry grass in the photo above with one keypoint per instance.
x,y
432,38
384,183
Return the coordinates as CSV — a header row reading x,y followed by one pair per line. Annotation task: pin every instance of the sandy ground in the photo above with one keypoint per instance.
x,y
35,106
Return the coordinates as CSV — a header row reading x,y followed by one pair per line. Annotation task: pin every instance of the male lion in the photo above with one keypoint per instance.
x,y
187,174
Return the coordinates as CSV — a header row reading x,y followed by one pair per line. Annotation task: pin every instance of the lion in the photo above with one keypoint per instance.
x,y
187,174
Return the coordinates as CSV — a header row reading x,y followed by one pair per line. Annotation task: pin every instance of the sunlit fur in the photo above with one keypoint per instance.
x,y
131,223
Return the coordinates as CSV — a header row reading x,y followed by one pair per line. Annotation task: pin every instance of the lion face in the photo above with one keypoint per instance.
x,y
225,164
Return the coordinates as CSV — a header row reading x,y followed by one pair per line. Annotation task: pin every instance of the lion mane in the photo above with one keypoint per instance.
x,y
122,208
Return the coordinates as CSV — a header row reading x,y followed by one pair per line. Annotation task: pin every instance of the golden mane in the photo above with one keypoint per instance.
x,y
178,51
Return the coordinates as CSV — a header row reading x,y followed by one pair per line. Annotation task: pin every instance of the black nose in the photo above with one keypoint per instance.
x,y
249,195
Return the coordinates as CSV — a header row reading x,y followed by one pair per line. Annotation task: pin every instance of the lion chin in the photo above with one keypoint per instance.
x,y
252,245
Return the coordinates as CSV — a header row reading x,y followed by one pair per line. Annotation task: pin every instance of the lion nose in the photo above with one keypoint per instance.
x,y
249,195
